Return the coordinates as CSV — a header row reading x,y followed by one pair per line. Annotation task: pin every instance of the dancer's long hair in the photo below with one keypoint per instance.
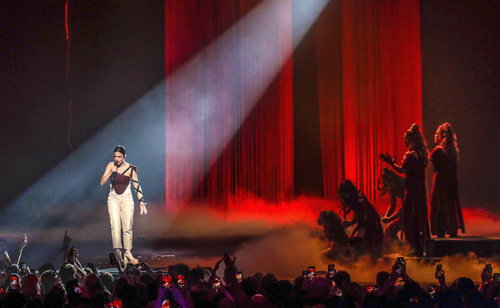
x,y
450,141
417,143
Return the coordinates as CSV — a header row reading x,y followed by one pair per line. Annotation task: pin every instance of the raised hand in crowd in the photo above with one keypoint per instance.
x,y
441,278
486,276
73,259
6,259
173,293
65,248
145,267
116,263
236,293
22,243
398,271
181,294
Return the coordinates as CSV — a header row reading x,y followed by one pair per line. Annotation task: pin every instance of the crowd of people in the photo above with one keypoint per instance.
x,y
179,286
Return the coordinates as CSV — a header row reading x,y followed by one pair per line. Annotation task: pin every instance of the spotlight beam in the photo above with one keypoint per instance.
x,y
190,104
70,196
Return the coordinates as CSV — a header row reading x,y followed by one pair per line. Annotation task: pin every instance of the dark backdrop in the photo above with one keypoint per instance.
x,y
461,85
117,55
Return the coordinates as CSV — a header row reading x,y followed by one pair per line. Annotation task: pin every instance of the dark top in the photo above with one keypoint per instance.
x,y
120,182
415,218
367,218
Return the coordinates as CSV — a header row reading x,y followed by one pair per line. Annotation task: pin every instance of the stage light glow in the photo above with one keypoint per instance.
x,y
188,103
70,197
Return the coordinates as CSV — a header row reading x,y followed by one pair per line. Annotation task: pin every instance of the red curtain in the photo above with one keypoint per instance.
x,y
258,159
369,72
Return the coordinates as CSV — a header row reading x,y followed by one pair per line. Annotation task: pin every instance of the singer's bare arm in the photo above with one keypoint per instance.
x,y
107,173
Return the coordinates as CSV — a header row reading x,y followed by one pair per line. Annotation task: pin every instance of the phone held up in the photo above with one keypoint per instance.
x,y
432,290
400,263
311,272
488,270
180,281
371,289
331,269
439,271
216,284
14,282
166,281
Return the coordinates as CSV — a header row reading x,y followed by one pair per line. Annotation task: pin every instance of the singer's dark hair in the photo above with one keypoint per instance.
x,y
120,148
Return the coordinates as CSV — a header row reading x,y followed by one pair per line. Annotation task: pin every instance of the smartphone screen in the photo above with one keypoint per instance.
x,y
338,292
216,284
370,289
13,282
331,269
311,272
180,281
166,281
489,269
439,271
431,290
239,277
165,304
399,266
401,260
117,304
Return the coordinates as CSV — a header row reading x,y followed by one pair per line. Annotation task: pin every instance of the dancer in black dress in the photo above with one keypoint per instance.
x,y
394,184
446,212
414,211
366,218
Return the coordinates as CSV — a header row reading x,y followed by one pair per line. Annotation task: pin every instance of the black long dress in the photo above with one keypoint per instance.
x,y
415,220
446,212
368,220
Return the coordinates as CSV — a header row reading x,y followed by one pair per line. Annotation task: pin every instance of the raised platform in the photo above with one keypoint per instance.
x,y
481,246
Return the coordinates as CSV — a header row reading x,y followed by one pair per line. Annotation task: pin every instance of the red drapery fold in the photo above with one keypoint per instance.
x,y
369,87
258,157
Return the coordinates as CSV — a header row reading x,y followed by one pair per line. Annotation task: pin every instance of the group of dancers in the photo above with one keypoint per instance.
x,y
412,218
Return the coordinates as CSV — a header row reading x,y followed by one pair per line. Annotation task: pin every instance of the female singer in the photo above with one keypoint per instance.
x,y
121,204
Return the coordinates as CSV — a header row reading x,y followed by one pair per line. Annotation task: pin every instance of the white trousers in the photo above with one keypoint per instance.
x,y
121,217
